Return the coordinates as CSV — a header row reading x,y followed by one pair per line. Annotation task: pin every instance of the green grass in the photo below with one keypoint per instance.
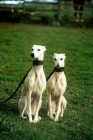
x,y
16,41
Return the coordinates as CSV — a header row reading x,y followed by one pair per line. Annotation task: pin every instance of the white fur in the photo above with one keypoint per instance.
x,y
34,85
54,107
56,88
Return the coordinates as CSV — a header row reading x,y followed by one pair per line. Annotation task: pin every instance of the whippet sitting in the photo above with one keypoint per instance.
x,y
56,87
34,85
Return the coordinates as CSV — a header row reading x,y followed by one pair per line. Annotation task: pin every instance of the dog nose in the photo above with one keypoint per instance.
x,y
32,55
57,65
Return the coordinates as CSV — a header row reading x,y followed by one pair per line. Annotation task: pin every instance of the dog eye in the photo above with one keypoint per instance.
x,y
32,49
61,58
38,49
55,59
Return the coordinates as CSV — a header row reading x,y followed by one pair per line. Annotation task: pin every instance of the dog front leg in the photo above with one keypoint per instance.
x,y
29,106
58,108
38,104
50,106
22,114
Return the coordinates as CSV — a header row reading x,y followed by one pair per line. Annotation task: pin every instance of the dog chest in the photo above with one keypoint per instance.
x,y
36,82
57,84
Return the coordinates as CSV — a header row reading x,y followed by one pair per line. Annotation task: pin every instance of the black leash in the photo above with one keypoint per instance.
x,y
50,75
16,88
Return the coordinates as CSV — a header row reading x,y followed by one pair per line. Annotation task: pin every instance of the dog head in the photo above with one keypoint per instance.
x,y
58,60
38,52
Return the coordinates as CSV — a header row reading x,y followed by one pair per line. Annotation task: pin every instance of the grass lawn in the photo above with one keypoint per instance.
x,y
16,41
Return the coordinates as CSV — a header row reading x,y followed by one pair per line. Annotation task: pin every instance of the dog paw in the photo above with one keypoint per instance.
x,y
36,120
30,120
56,119
39,118
52,117
24,117
61,115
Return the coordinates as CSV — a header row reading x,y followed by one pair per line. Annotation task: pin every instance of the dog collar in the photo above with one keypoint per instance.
x,y
37,62
55,70
59,69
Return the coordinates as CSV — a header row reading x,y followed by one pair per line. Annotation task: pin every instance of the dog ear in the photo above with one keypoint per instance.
x,y
44,48
64,55
55,53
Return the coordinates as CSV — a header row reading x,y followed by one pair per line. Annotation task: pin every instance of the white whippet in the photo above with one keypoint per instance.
x,y
56,87
34,85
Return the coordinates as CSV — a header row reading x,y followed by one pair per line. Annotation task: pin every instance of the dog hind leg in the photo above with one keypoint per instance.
x,y
22,114
22,106
63,106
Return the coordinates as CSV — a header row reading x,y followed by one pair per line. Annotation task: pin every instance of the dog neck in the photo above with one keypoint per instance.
x,y
37,62
61,69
